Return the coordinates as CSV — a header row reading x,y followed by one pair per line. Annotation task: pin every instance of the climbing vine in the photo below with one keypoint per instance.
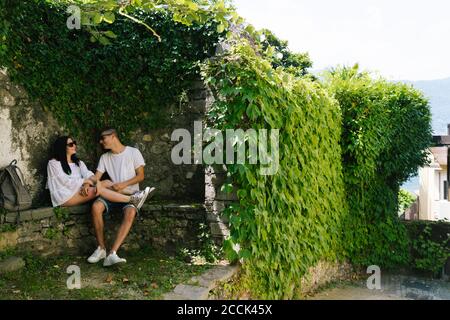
x,y
284,223
128,84
386,131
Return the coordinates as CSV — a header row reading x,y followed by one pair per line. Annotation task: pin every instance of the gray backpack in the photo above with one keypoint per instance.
x,y
14,196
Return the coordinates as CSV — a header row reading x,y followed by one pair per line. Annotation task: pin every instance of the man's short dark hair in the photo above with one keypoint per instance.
x,y
109,131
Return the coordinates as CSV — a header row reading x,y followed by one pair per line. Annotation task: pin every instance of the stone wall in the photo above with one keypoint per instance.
x,y
166,226
27,132
175,181
216,201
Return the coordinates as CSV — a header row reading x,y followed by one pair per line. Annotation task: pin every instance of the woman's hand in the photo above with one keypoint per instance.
x,y
84,191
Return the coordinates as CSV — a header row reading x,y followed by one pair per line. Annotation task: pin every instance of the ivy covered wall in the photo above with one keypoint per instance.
x,y
140,86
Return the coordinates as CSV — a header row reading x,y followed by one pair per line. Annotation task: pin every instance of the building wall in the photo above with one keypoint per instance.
x,y
426,189
433,206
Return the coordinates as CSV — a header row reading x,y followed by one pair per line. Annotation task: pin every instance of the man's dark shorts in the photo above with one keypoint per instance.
x,y
113,206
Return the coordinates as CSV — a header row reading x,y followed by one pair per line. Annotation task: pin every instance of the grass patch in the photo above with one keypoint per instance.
x,y
147,275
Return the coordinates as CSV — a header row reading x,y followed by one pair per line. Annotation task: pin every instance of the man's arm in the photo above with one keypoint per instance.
x,y
140,176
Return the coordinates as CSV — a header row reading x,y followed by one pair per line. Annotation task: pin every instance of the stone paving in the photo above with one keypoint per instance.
x,y
393,287
199,287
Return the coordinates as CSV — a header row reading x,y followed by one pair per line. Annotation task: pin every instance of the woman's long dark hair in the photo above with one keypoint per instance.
x,y
59,153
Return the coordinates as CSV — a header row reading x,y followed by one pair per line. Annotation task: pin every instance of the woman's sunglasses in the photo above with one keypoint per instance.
x,y
72,144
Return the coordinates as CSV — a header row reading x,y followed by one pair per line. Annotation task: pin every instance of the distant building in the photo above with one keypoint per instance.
x,y
433,195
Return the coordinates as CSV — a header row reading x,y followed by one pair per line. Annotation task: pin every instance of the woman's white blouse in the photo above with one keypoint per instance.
x,y
63,186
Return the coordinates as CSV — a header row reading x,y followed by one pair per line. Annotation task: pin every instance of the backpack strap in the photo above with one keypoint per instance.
x,y
11,169
20,174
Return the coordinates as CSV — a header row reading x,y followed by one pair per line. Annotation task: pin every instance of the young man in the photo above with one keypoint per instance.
x,y
125,167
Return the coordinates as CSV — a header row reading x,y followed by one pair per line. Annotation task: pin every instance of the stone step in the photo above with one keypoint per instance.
x,y
199,287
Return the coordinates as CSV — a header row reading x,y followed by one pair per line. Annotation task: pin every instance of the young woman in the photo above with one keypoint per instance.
x,y
71,183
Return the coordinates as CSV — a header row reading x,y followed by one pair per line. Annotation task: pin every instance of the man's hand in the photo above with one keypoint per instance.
x,y
119,186
84,191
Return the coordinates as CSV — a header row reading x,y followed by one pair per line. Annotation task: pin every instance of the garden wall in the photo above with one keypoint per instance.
x,y
27,132
166,226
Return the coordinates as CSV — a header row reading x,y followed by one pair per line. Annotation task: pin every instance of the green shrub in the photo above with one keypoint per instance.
x,y
405,200
386,130
287,222
430,255
61,213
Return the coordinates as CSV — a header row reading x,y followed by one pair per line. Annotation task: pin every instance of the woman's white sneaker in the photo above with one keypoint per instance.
x,y
98,255
113,259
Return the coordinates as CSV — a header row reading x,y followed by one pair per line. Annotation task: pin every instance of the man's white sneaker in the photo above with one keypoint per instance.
x,y
113,259
98,255
139,197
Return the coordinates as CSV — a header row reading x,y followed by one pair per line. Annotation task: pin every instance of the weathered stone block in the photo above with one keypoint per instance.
x,y
43,213
195,216
8,239
218,229
151,207
160,147
6,98
27,228
3,74
147,138
182,208
80,210
26,216
192,292
12,217
17,91
34,237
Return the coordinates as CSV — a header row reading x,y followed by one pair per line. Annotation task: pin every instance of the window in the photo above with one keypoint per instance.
x,y
445,190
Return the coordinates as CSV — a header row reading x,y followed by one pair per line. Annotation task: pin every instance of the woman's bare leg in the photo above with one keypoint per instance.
x,y
78,199
114,196
108,185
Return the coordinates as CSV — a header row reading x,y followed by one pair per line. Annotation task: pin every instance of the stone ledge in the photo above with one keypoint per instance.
x,y
186,211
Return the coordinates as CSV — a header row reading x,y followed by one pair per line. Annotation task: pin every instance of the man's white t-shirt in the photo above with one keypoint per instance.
x,y
122,167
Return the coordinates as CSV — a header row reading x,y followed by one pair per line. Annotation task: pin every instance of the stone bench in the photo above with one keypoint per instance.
x,y
163,225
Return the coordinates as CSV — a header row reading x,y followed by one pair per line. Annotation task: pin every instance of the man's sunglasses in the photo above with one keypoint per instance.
x,y
72,144
104,136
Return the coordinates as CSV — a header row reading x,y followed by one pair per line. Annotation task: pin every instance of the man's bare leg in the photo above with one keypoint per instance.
x,y
124,229
97,218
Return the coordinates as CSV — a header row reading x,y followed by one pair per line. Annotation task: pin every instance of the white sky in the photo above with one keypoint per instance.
x,y
400,39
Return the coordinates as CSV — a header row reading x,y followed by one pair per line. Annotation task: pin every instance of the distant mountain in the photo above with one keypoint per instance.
x,y
438,91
